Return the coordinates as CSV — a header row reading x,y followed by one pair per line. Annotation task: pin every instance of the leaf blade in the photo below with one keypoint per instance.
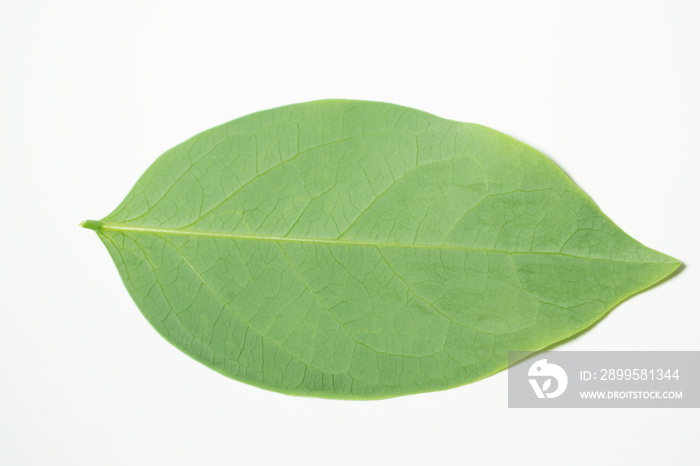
x,y
362,250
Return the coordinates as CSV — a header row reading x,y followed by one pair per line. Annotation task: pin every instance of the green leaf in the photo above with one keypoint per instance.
x,y
350,249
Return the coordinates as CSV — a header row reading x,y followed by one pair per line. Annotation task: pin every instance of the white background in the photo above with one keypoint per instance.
x,y
92,92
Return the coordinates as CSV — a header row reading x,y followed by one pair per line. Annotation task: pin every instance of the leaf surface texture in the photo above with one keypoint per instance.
x,y
351,249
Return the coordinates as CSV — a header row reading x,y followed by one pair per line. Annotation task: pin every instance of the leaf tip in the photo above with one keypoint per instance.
x,y
91,225
677,265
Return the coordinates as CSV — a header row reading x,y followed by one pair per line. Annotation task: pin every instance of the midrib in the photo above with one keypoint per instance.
x,y
100,226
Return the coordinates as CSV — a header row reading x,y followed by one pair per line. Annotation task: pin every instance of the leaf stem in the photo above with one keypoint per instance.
x,y
92,225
